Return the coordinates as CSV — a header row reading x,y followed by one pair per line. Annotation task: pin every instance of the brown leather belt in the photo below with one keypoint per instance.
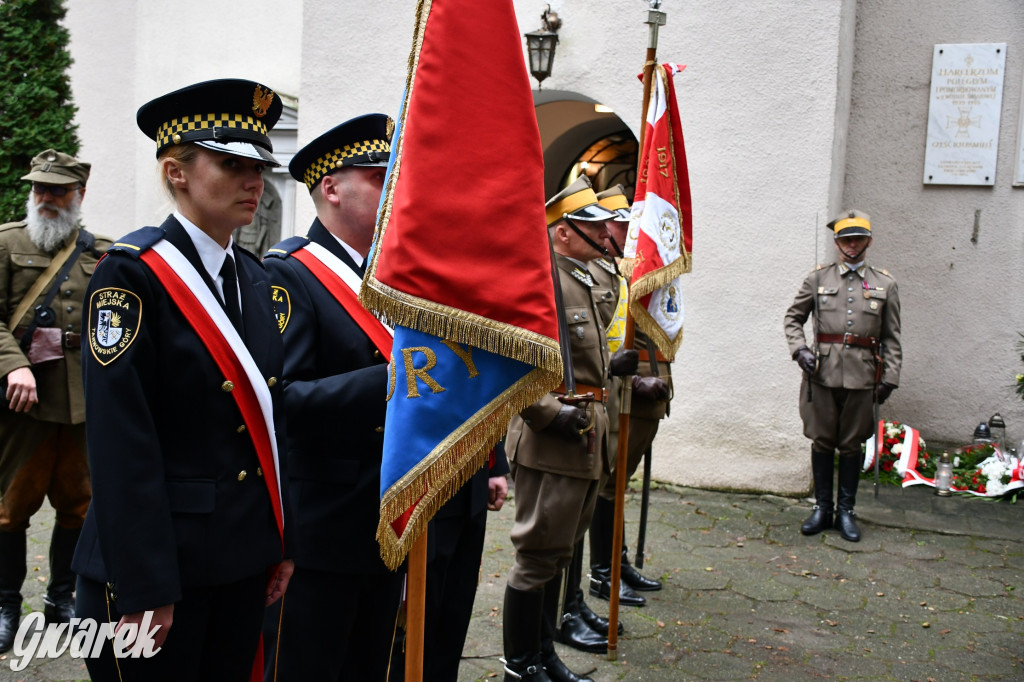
x,y
849,340
68,339
600,395
646,357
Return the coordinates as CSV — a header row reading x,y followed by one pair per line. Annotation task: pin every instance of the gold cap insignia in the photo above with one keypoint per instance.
x,y
390,127
262,98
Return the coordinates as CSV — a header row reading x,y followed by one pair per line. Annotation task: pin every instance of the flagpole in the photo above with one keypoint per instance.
x,y
416,608
655,18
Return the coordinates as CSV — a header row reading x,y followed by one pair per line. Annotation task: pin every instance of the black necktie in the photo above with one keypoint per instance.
x,y
227,272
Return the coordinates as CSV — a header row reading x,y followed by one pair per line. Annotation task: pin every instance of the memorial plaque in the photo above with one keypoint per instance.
x,y
963,114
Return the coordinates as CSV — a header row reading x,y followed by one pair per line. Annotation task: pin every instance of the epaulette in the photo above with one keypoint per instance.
x,y
822,266
136,243
287,247
880,271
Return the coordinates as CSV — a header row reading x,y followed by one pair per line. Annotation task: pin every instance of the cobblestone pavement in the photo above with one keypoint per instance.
x,y
930,593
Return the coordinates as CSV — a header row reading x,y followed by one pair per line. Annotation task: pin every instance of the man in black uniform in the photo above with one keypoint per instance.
x,y
340,615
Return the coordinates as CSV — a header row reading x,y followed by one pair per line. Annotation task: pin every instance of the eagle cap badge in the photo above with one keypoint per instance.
x,y
262,98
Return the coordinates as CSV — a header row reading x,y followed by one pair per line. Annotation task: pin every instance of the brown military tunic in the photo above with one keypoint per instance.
x,y
645,413
556,478
58,384
864,303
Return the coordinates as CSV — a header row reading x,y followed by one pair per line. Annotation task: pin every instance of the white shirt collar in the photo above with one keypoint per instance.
x,y
211,253
357,258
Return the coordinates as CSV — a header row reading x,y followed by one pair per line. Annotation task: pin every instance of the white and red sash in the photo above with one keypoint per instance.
x,y
343,285
203,311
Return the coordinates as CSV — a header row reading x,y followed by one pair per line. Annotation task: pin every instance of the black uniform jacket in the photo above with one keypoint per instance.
x,y
335,395
179,497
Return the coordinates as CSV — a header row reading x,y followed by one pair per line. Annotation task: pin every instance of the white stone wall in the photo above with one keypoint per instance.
x,y
126,53
784,122
961,300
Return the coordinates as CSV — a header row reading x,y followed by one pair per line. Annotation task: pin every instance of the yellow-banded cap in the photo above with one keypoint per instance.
x,y
577,201
850,224
615,200
361,141
229,115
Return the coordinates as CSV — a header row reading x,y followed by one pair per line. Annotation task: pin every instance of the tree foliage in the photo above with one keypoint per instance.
x,y
36,108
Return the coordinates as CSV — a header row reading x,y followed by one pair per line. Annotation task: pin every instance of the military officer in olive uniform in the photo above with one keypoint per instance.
x,y
45,264
581,628
556,449
340,615
856,363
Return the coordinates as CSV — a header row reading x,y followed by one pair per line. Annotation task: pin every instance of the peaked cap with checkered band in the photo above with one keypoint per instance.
x,y
230,115
361,141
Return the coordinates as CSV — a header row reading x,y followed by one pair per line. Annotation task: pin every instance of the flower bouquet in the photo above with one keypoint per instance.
x,y
981,470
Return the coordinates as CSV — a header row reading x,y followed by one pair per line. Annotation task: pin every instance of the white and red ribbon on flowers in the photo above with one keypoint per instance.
x,y
660,240
907,464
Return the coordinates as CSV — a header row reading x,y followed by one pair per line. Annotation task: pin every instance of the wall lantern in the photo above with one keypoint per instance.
x,y
540,45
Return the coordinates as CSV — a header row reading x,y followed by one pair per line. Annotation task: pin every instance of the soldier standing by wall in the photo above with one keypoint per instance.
x,y
45,264
856,365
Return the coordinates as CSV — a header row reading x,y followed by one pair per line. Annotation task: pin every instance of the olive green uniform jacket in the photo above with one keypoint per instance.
x,y
866,303
528,443
58,384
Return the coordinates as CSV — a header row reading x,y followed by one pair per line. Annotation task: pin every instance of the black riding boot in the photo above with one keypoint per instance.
x,y
521,625
633,577
575,630
553,666
849,477
823,466
59,602
12,574
601,556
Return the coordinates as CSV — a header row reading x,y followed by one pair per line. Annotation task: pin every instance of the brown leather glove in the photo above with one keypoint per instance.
x,y
624,362
569,421
805,358
883,391
653,388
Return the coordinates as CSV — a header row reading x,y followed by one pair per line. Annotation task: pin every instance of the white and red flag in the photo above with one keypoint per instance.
x,y
660,240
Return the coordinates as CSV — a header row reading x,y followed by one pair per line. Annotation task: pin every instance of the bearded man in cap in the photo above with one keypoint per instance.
x,y
340,615
855,366
45,264
556,448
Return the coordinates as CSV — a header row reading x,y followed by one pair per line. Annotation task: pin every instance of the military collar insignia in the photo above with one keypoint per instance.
x,y
114,320
583,276
606,265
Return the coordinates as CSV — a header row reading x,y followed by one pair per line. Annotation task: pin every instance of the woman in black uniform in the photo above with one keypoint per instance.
x,y
183,405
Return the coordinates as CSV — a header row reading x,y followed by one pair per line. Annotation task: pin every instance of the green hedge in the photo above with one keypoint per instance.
x,y
36,109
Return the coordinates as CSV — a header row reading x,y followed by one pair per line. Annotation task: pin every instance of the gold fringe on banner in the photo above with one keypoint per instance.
x,y
398,308
438,476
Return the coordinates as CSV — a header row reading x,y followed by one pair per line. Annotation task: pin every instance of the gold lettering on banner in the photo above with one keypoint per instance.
x,y
391,380
412,373
466,355
663,161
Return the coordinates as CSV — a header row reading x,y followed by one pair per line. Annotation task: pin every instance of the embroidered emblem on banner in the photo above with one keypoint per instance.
x,y
115,316
668,230
282,303
670,302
